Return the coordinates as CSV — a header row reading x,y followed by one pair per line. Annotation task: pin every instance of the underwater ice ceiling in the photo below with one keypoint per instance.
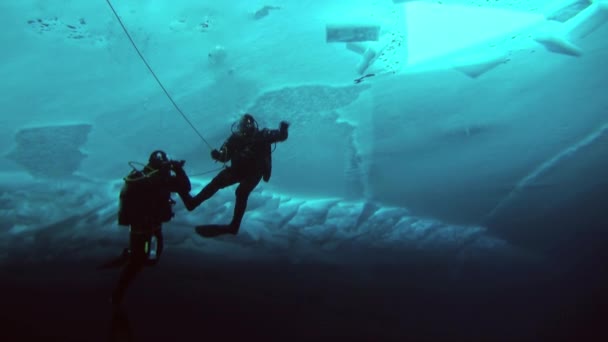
x,y
455,110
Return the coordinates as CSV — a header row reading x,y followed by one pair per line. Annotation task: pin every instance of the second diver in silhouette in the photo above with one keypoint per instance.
x,y
249,150
145,204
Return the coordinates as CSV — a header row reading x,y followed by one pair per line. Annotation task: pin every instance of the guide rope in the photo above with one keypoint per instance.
x,y
155,77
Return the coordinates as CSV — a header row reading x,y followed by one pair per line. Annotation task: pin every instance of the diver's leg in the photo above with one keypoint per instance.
x,y
134,265
223,179
160,243
242,195
158,234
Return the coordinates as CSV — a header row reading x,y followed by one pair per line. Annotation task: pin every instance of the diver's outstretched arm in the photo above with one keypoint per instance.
x,y
276,135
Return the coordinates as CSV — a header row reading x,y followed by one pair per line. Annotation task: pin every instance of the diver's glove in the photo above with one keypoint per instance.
x,y
283,134
215,154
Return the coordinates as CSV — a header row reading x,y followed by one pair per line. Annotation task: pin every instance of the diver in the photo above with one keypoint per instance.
x,y
249,150
145,204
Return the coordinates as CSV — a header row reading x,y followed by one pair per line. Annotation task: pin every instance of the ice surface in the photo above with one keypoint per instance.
x,y
416,137
548,165
436,30
588,20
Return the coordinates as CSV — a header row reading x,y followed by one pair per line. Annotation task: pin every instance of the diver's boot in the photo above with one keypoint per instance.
x,y
233,227
235,224
188,201
191,202
240,206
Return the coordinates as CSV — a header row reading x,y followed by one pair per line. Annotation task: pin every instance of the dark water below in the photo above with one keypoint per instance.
x,y
195,297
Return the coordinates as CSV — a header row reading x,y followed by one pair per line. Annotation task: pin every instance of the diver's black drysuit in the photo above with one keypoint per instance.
x,y
145,204
250,157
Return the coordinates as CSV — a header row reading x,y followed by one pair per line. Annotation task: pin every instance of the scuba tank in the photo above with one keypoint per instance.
x,y
143,199
127,205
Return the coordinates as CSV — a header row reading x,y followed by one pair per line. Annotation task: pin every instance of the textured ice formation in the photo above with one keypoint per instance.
x,y
559,44
547,166
264,12
80,218
588,20
302,100
50,151
568,10
348,33
583,19
73,30
475,67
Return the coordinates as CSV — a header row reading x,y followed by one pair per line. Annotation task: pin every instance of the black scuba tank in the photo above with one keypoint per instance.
x,y
144,200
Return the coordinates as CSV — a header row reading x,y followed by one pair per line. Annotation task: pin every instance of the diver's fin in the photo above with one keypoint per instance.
x,y
213,230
